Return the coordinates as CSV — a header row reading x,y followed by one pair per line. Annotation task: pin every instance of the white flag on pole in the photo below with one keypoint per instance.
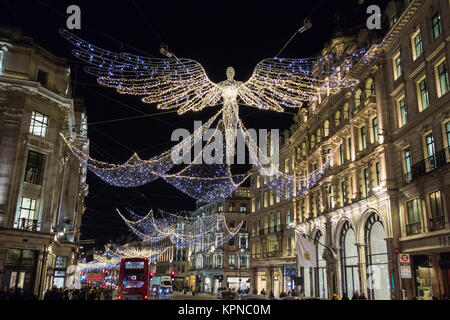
x,y
306,251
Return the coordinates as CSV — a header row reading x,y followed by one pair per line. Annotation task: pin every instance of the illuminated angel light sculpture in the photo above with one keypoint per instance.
x,y
182,84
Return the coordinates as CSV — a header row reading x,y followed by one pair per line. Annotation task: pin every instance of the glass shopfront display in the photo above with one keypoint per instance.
x,y
20,269
238,283
424,283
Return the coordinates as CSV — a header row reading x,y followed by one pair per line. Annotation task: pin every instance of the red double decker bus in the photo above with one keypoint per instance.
x,y
133,279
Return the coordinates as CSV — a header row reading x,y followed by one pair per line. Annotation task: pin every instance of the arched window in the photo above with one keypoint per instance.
x,y
370,87
326,128
358,98
349,260
321,273
346,111
378,285
312,141
337,118
318,135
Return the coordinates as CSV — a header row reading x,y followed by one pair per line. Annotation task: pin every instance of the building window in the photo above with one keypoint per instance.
x,y
243,241
344,193
430,152
407,164
326,128
375,129
330,158
349,153
220,207
258,181
243,207
318,135
366,182
436,25
402,112
363,138
436,204
377,169
397,66
231,260
349,260
423,94
337,118
447,129
298,153
442,75
279,218
287,166
437,220
341,154
39,124
288,218
393,21
417,44
42,77
312,141
304,149
414,224
28,215
346,111
34,167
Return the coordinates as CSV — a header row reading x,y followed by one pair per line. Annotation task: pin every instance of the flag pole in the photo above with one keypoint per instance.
x,y
304,234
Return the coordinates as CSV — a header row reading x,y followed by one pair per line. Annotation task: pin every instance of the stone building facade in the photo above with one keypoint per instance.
x,y
385,187
42,186
224,264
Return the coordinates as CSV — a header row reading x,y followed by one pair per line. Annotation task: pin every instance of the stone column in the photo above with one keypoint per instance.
x,y
362,268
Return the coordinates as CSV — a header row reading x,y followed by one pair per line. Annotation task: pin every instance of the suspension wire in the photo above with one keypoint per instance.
x,y
112,139
146,20
129,107
130,118
297,31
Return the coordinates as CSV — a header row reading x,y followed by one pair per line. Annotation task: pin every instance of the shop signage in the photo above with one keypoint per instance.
x,y
404,259
50,272
396,250
405,272
93,276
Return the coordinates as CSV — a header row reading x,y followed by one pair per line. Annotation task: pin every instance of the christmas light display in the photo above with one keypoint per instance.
x,y
181,231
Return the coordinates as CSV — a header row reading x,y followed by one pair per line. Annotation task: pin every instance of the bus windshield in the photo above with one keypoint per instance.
x,y
133,281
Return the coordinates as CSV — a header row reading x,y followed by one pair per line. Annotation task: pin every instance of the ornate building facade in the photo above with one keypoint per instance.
x,y
42,186
385,187
224,264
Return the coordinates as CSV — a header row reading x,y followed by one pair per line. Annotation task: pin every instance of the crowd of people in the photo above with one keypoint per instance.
x,y
84,293
16,294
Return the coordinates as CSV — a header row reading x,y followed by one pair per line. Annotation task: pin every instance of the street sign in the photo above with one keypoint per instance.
x,y
50,272
404,258
405,272
93,276
396,250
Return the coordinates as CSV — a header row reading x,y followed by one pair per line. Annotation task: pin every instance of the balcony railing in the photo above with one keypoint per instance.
x,y
414,228
28,224
437,223
273,254
430,164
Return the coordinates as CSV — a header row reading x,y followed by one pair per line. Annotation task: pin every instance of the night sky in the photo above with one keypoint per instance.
x,y
216,33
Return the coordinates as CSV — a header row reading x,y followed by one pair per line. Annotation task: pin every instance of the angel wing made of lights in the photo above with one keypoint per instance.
x,y
182,84
170,83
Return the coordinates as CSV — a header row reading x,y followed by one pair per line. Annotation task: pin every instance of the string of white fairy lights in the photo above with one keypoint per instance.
x,y
182,231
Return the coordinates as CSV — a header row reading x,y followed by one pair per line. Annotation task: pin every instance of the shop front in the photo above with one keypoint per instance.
x,y
20,269
242,283
430,266
289,274
261,282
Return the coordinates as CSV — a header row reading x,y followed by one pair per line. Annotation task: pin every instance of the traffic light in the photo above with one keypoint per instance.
x,y
150,276
172,274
